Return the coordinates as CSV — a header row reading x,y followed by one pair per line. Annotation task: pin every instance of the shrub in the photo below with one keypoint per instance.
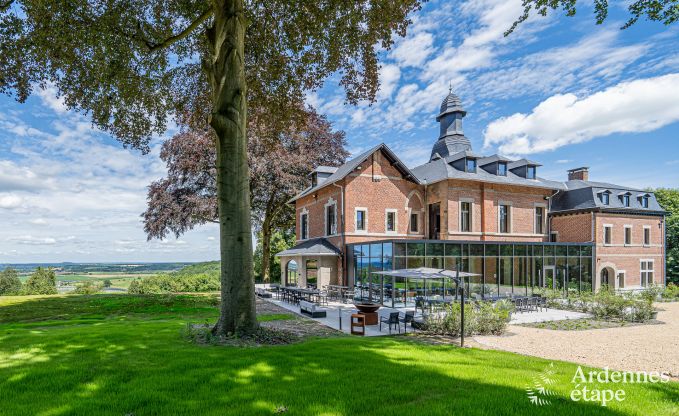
x,y
88,287
671,292
9,282
108,283
41,282
481,318
176,282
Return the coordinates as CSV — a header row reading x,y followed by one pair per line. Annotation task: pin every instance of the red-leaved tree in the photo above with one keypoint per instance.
x,y
279,161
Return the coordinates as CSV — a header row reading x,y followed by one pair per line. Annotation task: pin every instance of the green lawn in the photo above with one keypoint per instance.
x,y
120,355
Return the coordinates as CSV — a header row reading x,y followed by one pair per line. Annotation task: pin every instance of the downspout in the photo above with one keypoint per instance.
x,y
344,236
665,249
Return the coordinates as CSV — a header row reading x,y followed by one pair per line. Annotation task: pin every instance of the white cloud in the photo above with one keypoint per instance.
x,y
390,75
637,106
563,161
413,50
10,201
48,95
39,221
31,240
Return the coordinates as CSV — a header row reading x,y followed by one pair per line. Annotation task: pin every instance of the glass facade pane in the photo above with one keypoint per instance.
x,y
400,263
434,249
573,273
560,280
490,277
586,251
434,262
476,250
451,263
414,262
453,250
416,249
586,280
520,276
475,283
549,250
505,276
520,250
560,250
376,250
492,250
506,250
399,249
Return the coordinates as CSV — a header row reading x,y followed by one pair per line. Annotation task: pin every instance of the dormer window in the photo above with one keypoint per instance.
x,y
502,169
470,165
644,201
605,198
625,200
531,172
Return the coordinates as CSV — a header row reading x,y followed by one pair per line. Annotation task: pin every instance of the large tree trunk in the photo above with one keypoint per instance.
x,y
267,230
226,74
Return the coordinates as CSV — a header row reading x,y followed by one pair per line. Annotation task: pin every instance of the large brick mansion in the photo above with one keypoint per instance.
x,y
488,215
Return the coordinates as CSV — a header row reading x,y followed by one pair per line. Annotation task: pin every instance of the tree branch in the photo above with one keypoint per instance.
x,y
181,35
4,6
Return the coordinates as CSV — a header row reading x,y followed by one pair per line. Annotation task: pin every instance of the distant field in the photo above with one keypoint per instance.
x,y
118,280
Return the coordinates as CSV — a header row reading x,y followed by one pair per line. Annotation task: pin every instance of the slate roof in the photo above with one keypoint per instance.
x,y
483,161
451,104
342,171
585,195
441,169
326,169
312,247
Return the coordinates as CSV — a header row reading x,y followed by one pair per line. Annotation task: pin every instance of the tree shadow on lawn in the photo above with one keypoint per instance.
x,y
146,368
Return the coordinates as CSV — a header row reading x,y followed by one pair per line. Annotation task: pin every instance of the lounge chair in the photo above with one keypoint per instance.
x,y
392,319
407,319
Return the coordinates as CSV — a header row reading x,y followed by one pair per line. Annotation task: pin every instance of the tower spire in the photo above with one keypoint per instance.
x,y
451,139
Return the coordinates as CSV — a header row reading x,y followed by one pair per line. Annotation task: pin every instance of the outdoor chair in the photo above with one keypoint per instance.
x,y
407,319
420,303
392,319
348,296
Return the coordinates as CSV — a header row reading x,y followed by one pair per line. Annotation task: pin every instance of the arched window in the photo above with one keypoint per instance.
x,y
291,273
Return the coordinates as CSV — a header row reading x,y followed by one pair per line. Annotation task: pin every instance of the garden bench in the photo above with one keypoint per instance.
x,y
262,293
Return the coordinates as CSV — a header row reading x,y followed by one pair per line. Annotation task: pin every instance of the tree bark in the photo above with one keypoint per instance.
x,y
266,250
225,69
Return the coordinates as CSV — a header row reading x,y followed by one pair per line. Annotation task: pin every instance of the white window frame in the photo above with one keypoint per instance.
x,y
331,203
624,236
302,232
544,218
644,272
610,227
647,244
365,220
509,217
386,217
470,201
410,222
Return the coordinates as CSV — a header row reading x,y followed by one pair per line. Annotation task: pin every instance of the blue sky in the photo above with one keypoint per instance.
x,y
560,90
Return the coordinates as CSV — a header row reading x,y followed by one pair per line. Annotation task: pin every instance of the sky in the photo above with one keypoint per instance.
x,y
563,91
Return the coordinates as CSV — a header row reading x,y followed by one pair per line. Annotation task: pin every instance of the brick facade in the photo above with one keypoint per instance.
x,y
622,261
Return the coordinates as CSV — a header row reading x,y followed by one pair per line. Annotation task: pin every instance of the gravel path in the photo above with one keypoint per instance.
x,y
651,347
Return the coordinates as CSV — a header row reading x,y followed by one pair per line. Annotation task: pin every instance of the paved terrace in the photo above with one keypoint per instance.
x,y
336,309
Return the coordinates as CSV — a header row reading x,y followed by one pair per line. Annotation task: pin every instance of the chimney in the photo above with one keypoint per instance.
x,y
579,174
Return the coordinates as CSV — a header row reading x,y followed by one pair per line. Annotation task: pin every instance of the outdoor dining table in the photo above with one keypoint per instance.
x,y
338,290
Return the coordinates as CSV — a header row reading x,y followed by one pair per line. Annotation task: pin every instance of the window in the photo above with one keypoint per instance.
x,y
304,226
465,217
414,222
539,220
502,169
625,200
390,225
360,220
644,202
646,272
330,223
605,198
470,165
628,235
554,237
531,172
504,218
608,233
647,236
